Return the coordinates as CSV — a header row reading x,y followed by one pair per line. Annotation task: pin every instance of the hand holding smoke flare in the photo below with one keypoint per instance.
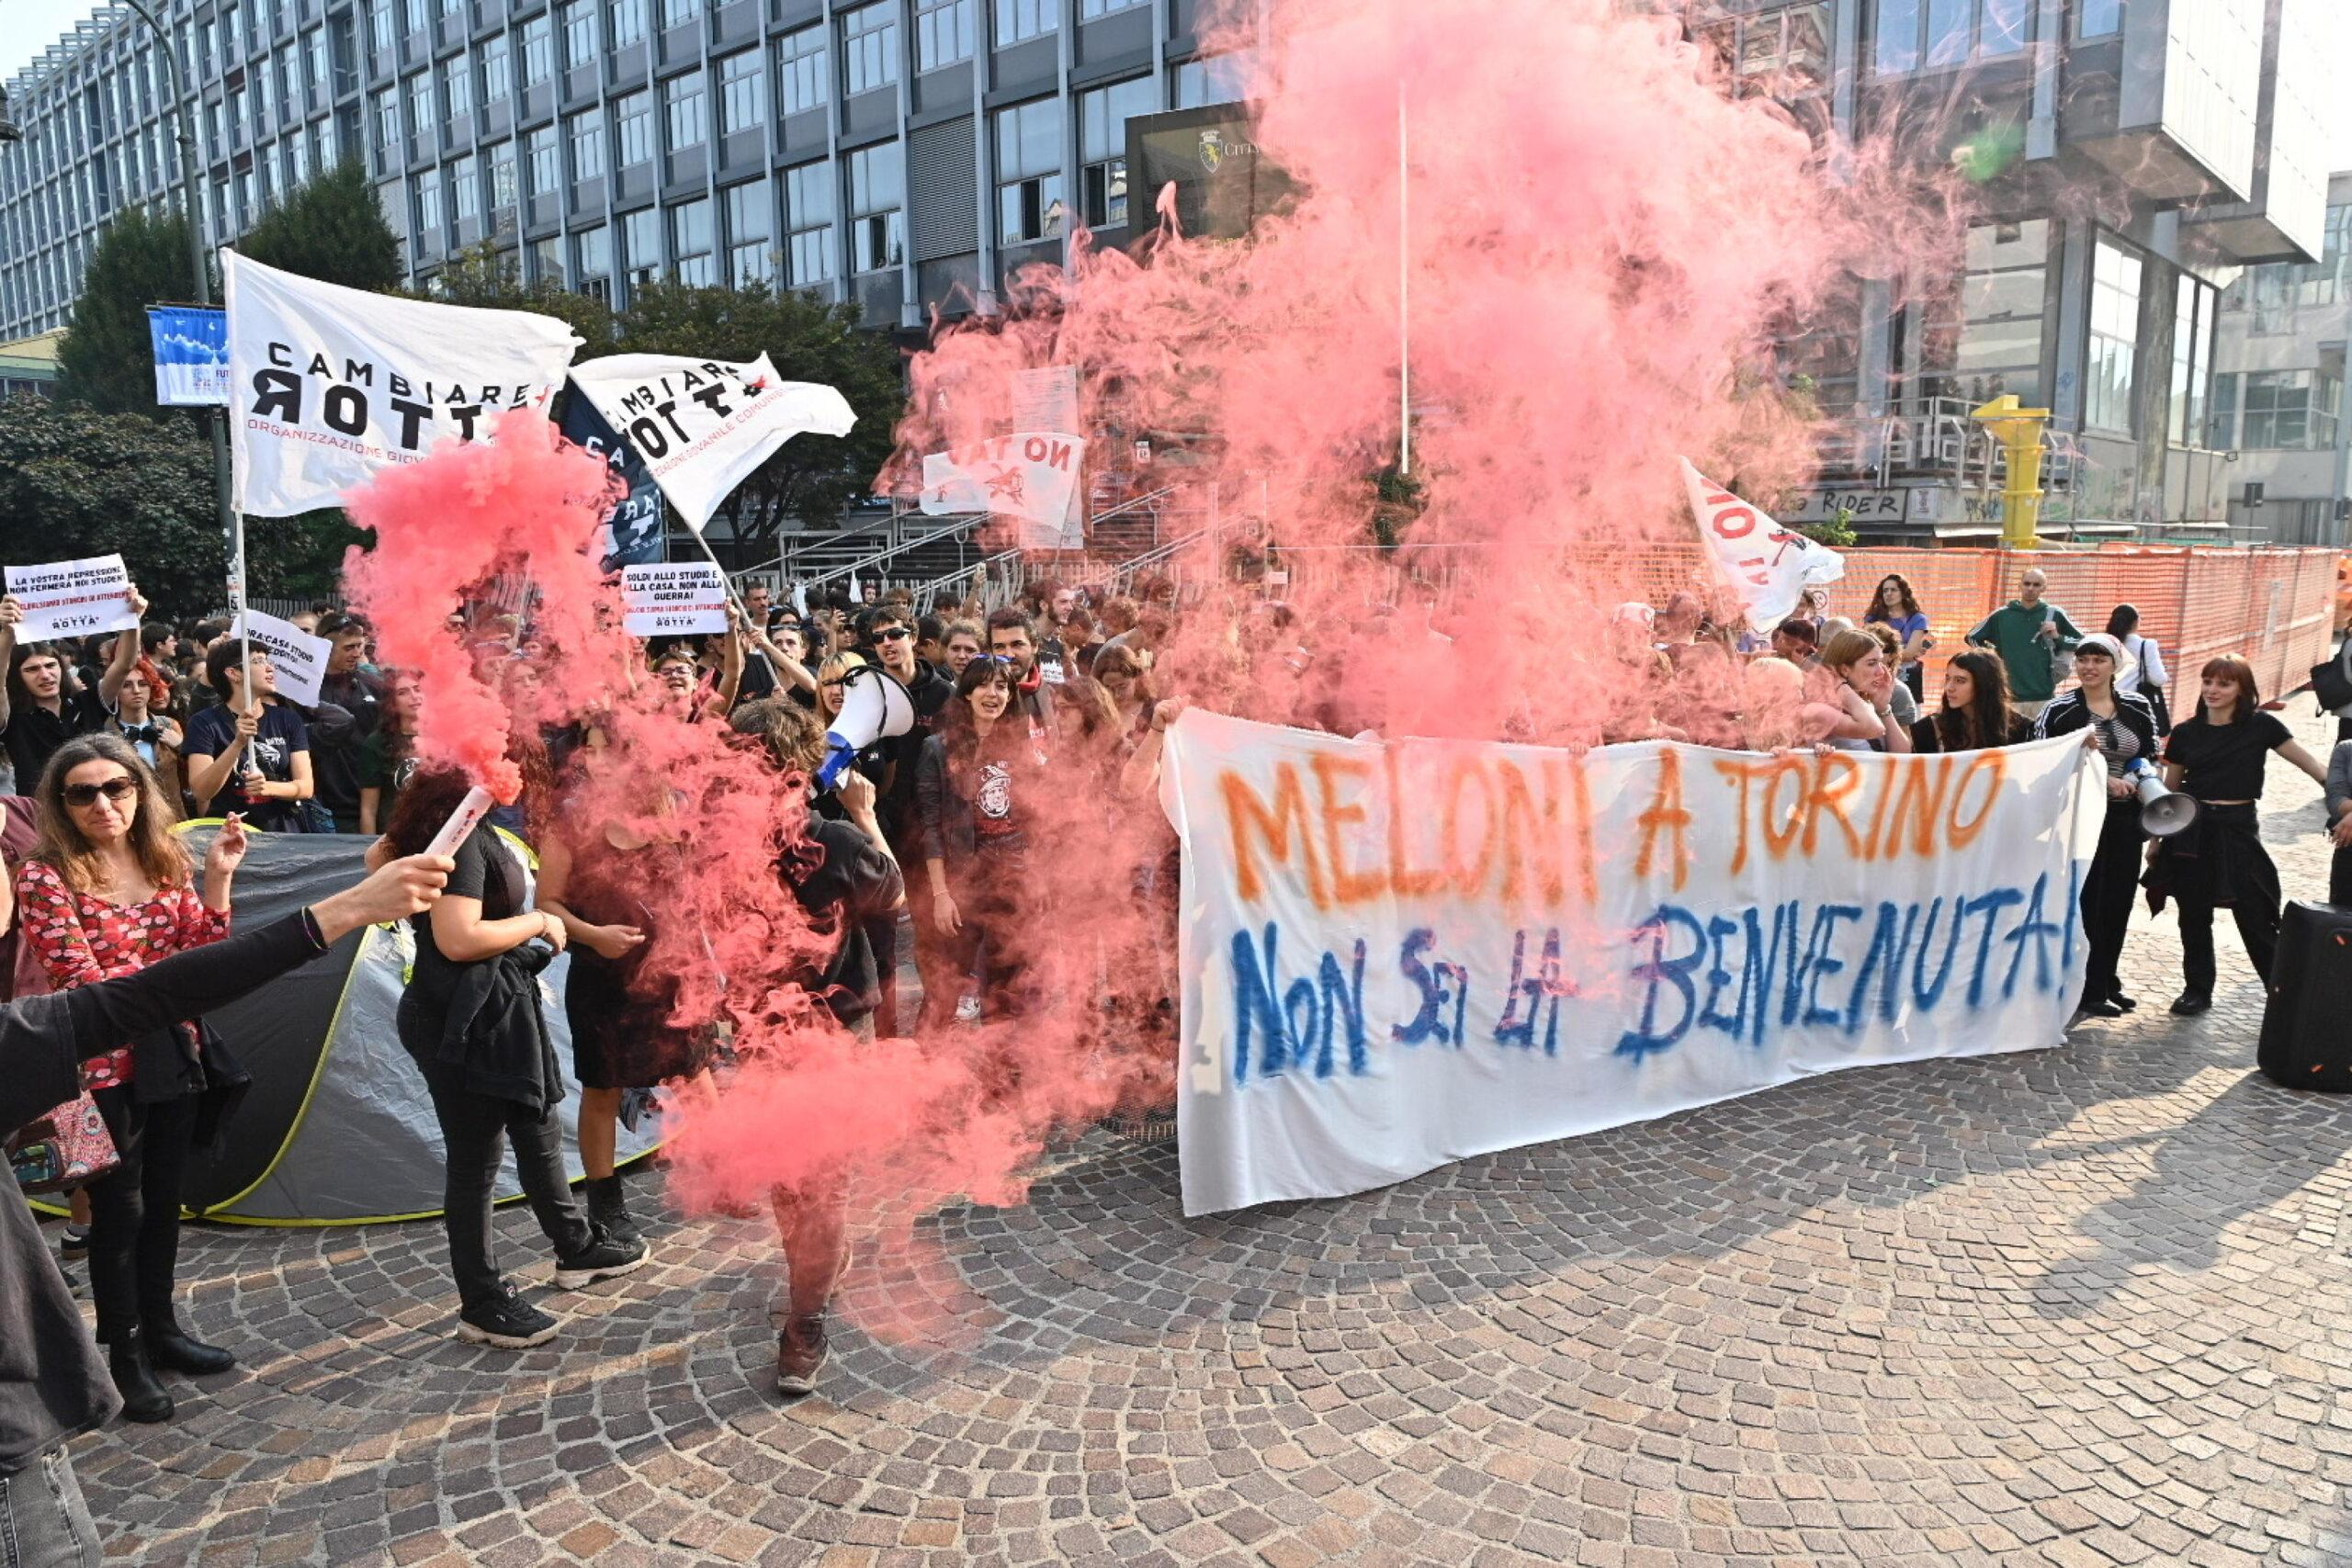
x,y
874,706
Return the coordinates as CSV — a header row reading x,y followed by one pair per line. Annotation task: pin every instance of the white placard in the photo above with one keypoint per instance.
x,y
299,659
682,599
1395,955
1046,399
72,598
329,383
1031,476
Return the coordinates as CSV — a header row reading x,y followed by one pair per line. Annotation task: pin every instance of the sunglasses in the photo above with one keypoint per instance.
x,y
82,796
892,634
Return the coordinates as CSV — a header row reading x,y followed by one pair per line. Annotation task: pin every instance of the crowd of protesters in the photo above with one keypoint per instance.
x,y
937,851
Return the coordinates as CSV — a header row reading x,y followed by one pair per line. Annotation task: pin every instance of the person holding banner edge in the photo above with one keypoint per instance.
x,y
37,713
2121,728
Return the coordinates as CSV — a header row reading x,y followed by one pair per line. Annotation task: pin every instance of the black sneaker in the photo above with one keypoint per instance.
x,y
508,1321
602,1258
2192,1003
800,1351
74,1245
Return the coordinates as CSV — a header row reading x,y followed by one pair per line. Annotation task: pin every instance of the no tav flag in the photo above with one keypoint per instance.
x,y
1769,565
328,384
701,425
1031,476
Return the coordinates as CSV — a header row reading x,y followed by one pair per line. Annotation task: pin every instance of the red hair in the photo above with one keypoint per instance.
x,y
2239,671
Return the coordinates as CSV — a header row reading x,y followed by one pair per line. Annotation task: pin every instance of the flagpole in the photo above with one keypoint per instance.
x,y
244,628
1404,296
729,584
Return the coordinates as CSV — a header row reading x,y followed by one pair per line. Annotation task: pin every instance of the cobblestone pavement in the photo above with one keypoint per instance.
x,y
2083,1307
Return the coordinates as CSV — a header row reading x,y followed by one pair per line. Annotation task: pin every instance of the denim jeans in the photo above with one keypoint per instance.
x,y
43,1521
476,1128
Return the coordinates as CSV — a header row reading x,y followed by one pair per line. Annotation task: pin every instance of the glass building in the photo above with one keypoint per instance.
x,y
906,154
2127,162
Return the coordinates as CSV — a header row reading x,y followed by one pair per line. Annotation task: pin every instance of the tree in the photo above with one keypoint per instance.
x,y
332,229
74,481
484,277
107,361
812,476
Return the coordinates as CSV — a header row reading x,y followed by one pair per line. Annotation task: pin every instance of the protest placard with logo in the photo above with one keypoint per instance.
x,y
328,384
300,659
191,347
72,598
1031,476
681,598
701,426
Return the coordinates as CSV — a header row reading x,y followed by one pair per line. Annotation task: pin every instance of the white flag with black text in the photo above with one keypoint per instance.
x,y
328,384
701,425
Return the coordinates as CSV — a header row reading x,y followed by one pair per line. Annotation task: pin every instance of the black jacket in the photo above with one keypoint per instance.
x,y
495,1032
901,812
2068,714
945,816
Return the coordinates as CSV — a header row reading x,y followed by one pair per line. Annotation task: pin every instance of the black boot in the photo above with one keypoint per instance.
x,y
143,1398
608,1208
169,1348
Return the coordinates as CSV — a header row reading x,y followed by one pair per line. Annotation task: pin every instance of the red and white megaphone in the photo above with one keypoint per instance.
x,y
874,706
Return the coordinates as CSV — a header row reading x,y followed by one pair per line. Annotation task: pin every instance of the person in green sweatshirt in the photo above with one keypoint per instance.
x,y
2027,634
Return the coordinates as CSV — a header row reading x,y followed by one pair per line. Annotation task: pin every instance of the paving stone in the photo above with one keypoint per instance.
x,y
2087,1306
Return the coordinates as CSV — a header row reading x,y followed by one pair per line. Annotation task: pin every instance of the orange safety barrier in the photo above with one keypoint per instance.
x,y
2273,608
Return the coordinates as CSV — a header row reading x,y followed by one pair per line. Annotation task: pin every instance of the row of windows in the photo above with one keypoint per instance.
x,y
2284,411
1913,35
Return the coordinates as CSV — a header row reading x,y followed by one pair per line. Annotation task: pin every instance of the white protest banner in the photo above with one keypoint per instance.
x,y
299,659
685,598
72,598
1400,955
701,425
1769,565
1032,476
328,384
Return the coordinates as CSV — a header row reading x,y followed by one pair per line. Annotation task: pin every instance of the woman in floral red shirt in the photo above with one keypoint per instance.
x,y
106,892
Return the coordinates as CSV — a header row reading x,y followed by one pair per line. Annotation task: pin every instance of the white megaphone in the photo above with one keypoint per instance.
x,y
2163,812
874,706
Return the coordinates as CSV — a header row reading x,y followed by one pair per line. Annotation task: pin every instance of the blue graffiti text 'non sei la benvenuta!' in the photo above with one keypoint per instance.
x,y
1748,975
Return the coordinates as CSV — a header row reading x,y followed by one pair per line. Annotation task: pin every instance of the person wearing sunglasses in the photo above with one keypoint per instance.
x,y
107,890
891,634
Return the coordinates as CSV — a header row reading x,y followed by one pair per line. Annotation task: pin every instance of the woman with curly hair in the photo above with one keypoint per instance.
x,y
1896,607
844,878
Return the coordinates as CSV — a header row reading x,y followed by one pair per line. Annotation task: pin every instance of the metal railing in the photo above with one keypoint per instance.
x,y
928,596
962,524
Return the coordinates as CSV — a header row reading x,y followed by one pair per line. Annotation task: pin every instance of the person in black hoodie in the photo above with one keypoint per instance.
x,y
470,1018
53,1382
2121,727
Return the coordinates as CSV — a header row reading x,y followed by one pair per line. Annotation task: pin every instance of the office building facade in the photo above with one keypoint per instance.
x,y
904,154
2125,162
2278,398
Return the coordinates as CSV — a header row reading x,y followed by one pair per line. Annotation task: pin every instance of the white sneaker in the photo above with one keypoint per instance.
x,y
967,1009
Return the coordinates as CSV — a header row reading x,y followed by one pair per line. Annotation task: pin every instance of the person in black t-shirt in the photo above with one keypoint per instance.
x,y
2217,757
38,711
256,761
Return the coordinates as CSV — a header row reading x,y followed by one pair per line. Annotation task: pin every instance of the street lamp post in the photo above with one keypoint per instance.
x,y
232,523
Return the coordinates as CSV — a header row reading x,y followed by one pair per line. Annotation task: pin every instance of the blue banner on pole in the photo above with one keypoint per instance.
x,y
633,535
191,344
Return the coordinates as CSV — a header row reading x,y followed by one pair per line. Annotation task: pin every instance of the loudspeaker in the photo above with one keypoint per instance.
x,y
874,706
2163,812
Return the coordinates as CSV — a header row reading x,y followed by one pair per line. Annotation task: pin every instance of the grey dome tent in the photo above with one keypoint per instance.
x,y
337,1129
